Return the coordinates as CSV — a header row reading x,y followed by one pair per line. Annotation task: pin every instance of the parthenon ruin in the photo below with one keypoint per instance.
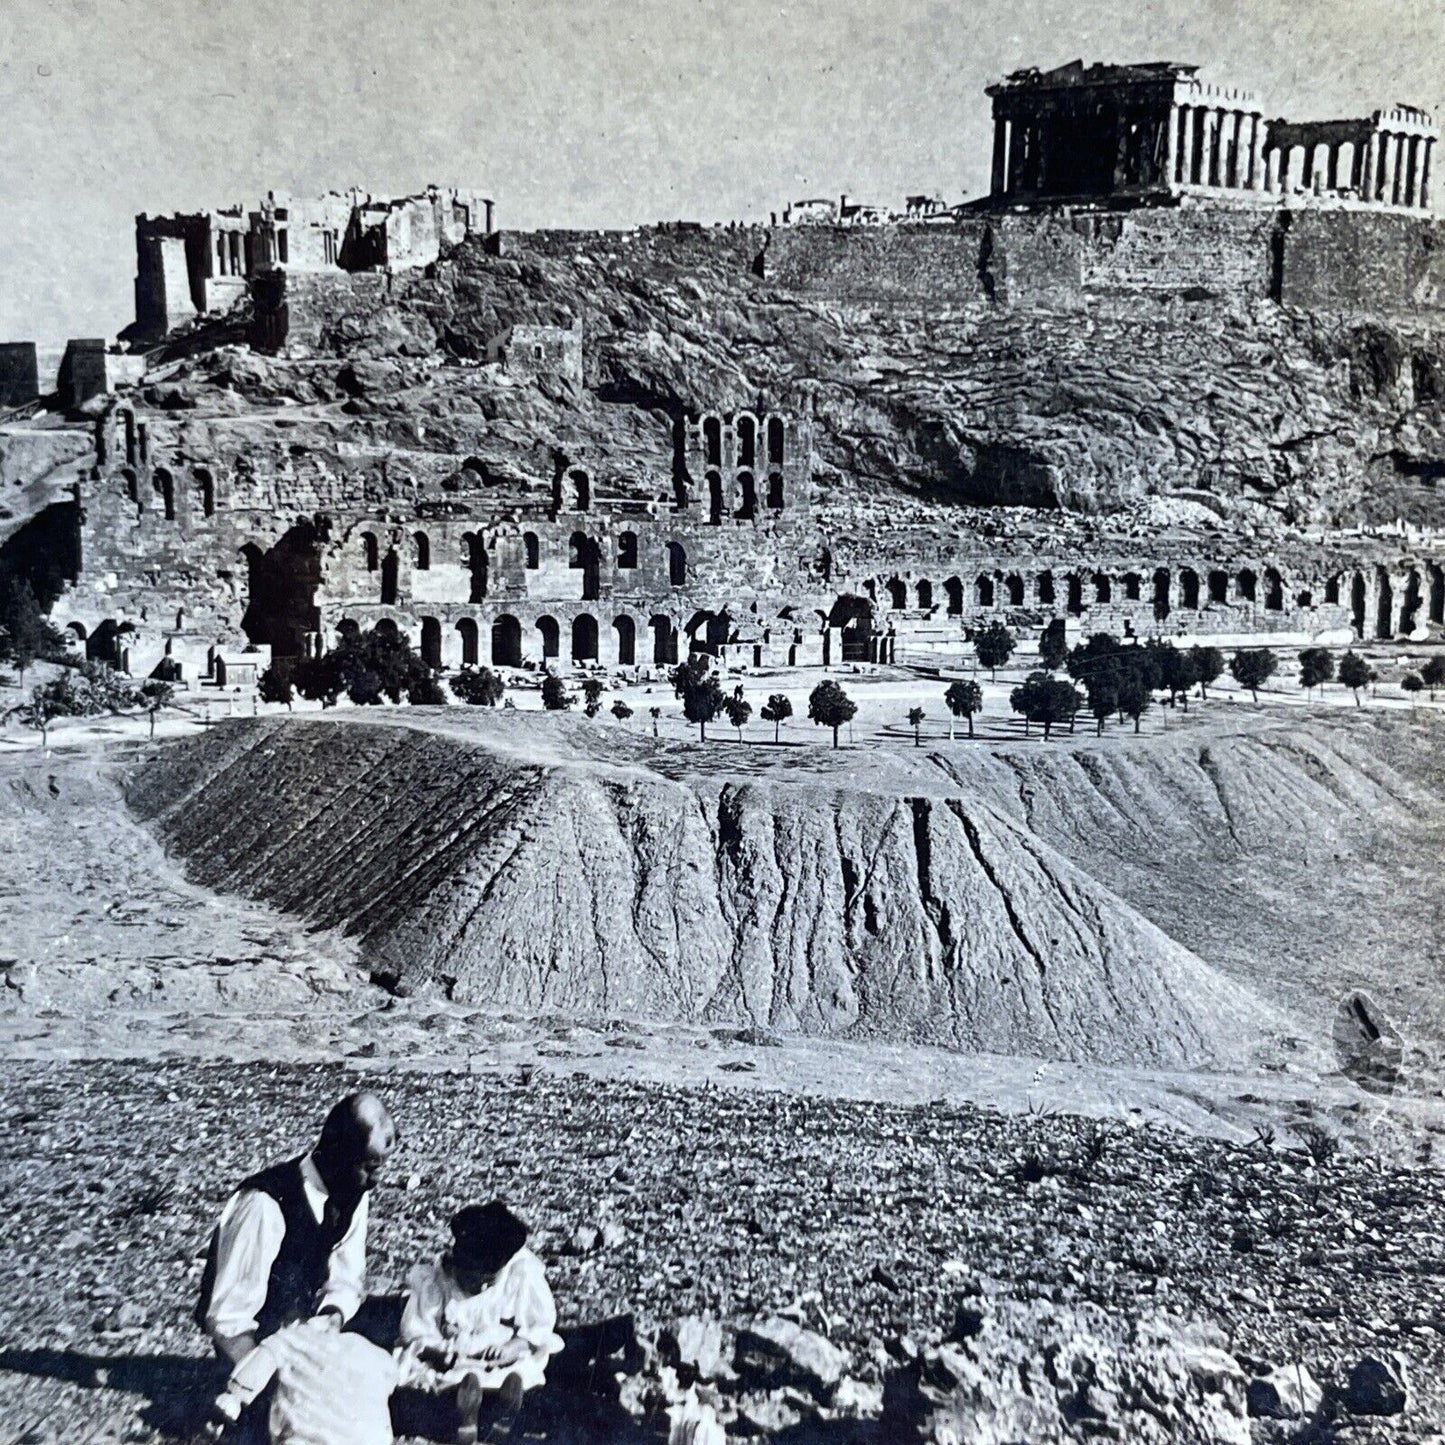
x,y
1152,132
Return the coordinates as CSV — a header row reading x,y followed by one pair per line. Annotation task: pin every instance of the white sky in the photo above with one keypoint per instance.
x,y
578,112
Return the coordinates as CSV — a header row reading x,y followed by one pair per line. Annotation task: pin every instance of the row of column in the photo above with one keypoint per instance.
x,y
1212,146
1395,170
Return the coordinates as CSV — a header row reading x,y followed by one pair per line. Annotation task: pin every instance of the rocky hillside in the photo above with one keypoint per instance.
x,y
804,903
1268,411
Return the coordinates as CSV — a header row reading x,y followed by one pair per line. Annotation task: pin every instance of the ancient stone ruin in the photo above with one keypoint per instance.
x,y
1132,389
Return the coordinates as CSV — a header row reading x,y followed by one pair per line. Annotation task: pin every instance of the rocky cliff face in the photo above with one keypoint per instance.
x,y
801,903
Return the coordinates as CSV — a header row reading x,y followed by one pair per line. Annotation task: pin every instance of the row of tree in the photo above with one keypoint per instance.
x,y
91,690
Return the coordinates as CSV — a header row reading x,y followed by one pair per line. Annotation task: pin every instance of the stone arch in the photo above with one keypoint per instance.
x,y
626,551
1357,603
421,552
924,593
585,555
897,594
1189,588
1305,599
1133,586
386,627
474,559
1437,593
708,632
854,617
1103,587
1384,604
747,507
1044,587
574,491
1161,593
506,641
676,564
1219,585
776,434
584,638
775,491
1273,590
390,570
1245,585
664,640
77,629
983,590
132,485
550,635
745,429
431,642
467,633
1014,586
370,551
712,441
715,500
1075,601
625,635
205,489
1332,590
1410,603
165,485
953,590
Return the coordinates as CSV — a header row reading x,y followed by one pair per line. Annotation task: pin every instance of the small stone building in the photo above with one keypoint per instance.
x,y
532,351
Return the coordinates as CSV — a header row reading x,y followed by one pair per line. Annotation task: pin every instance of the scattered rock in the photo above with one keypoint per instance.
x,y
1377,1386
776,1351
1288,1392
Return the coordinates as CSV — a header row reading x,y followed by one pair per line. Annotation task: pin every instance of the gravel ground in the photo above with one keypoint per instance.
x,y
874,1220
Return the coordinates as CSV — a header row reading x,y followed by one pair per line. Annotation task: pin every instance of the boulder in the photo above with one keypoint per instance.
x,y
1288,1392
1377,1386
776,1351
695,1344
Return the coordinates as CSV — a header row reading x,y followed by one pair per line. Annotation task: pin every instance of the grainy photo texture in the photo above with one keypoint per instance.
x,y
722,722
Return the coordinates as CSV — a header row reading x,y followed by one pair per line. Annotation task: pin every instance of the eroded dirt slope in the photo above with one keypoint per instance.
x,y
923,914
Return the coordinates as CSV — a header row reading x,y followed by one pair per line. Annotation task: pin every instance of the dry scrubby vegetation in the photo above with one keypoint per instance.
x,y
886,1230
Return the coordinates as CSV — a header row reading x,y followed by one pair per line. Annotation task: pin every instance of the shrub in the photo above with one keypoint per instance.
x,y
478,686
555,697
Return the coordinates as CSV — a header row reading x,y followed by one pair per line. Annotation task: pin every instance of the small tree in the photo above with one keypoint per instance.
x,y
1316,667
592,690
915,721
621,711
830,707
25,633
739,710
1252,668
701,693
1133,698
964,698
155,695
275,684
1412,684
1047,700
1208,667
1175,669
1053,645
654,713
39,713
477,686
993,647
777,710
1103,696
555,697
1354,673
1433,674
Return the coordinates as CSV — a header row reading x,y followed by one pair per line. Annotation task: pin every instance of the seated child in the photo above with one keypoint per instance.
x,y
481,1320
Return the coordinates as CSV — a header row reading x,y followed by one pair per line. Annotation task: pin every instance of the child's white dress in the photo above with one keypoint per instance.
x,y
517,1305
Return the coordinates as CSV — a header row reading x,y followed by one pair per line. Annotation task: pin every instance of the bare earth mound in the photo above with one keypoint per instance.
x,y
788,901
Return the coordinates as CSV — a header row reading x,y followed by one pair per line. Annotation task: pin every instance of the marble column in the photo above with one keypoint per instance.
x,y
1171,148
1208,131
1000,155
1425,173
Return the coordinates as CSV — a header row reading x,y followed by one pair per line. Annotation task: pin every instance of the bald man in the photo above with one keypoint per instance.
x,y
291,1242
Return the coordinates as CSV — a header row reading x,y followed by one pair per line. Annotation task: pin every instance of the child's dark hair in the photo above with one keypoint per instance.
x,y
487,1234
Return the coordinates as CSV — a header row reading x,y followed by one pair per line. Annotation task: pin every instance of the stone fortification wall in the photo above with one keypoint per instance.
x,y
1348,261
1308,258
1224,252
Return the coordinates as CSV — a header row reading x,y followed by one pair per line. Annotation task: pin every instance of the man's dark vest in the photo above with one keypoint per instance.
x,y
302,1264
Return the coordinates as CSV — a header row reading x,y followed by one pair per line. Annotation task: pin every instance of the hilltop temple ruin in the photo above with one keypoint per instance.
x,y
541,502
